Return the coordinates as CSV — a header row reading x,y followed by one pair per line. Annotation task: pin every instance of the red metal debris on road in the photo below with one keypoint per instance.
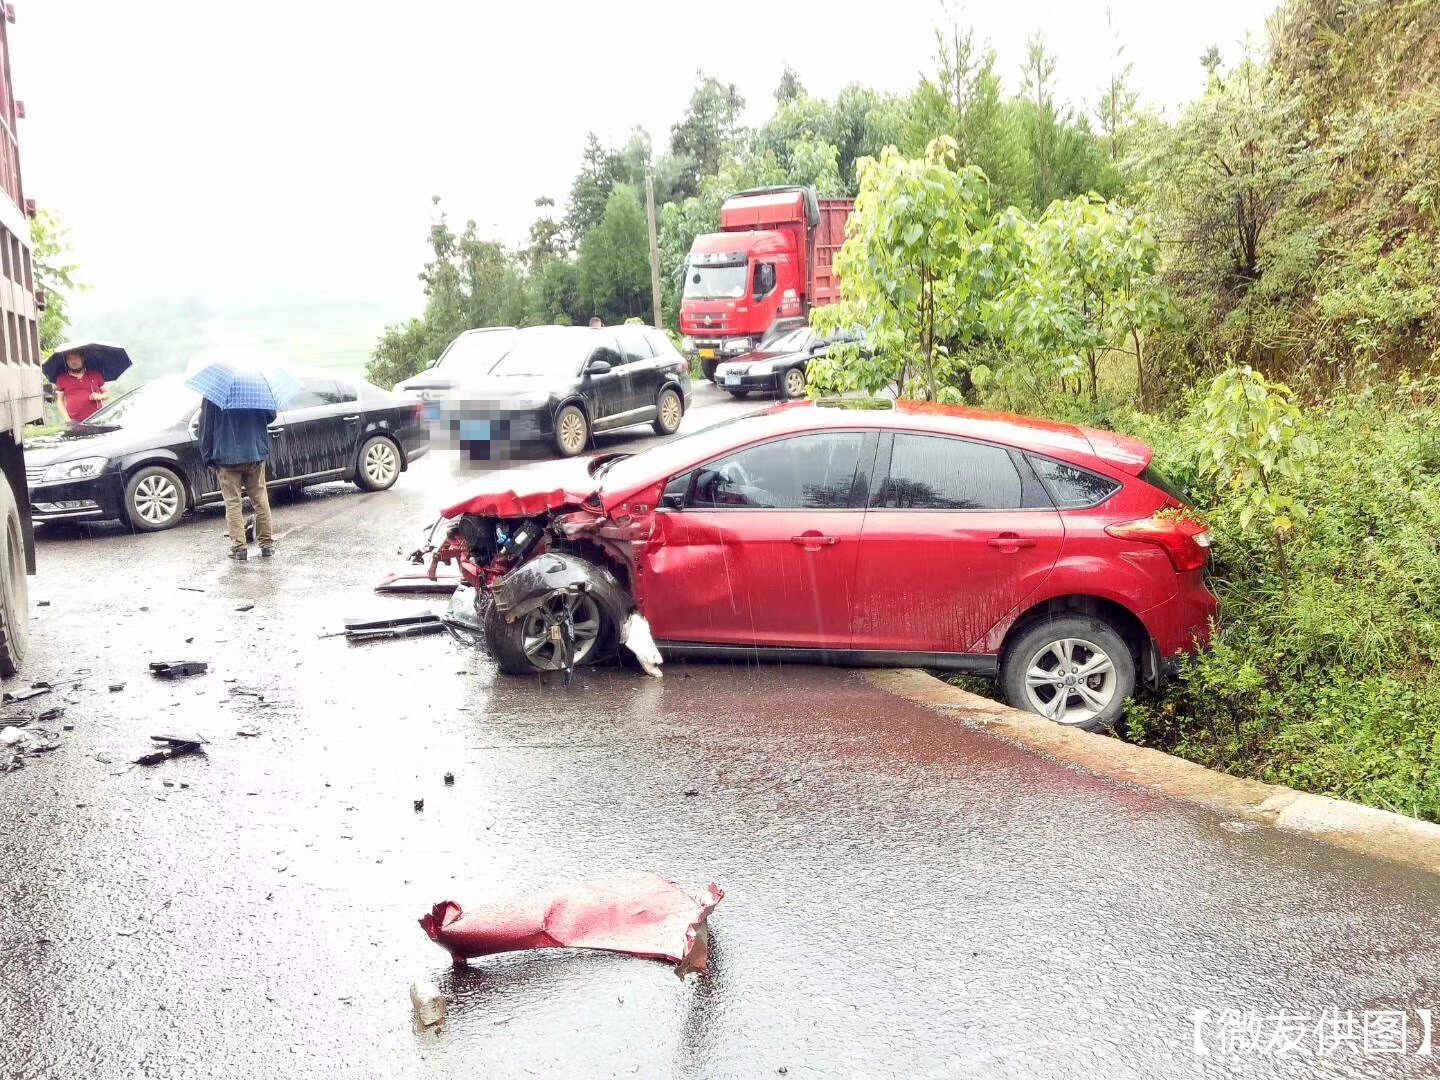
x,y
643,914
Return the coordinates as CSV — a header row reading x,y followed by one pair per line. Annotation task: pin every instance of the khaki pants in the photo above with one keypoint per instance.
x,y
236,481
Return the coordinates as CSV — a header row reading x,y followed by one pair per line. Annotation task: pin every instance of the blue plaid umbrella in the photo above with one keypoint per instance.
x,y
235,386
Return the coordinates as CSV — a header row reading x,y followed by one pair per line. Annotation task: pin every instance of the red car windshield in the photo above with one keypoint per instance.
x,y
660,462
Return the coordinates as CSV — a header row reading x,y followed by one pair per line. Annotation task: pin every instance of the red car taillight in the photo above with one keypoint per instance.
x,y
1186,542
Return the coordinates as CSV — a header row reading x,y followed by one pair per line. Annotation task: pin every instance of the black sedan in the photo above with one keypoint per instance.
x,y
777,367
138,459
558,385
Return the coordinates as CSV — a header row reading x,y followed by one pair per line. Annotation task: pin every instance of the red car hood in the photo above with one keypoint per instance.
x,y
512,493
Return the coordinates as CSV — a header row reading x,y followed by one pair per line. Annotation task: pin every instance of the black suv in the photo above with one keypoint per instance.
x,y
561,384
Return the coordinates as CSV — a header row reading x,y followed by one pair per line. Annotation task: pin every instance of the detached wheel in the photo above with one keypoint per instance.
x,y
379,465
154,499
572,431
14,587
792,383
1075,670
669,410
524,647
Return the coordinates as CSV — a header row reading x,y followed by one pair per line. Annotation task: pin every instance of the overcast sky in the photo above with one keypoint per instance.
x,y
197,144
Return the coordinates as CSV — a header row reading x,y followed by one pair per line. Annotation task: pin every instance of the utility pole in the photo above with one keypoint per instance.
x,y
654,245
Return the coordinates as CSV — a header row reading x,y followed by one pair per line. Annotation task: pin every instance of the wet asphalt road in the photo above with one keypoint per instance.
x,y
905,897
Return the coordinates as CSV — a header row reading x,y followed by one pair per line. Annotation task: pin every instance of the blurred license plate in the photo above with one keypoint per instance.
x,y
475,430
707,354
732,380
432,410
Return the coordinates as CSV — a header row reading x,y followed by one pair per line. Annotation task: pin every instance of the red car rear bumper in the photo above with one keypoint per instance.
x,y
1182,624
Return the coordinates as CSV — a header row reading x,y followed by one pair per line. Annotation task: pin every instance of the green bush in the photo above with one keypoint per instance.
x,y
1322,674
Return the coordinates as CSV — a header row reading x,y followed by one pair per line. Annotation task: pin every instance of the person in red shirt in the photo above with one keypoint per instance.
x,y
84,389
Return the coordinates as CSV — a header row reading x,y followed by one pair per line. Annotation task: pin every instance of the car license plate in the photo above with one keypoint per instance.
x,y
707,354
475,430
432,410
732,380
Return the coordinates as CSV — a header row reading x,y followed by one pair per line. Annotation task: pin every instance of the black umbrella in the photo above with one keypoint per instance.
x,y
111,361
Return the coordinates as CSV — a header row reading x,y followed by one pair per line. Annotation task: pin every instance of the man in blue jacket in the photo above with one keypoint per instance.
x,y
236,443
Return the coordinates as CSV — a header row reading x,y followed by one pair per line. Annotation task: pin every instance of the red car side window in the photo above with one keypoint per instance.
x,y
931,472
807,472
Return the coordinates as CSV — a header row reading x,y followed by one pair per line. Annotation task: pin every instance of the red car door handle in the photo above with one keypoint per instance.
x,y
814,540
1011,542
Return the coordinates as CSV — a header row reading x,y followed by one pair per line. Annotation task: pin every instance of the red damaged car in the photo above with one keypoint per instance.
x,y
1049,556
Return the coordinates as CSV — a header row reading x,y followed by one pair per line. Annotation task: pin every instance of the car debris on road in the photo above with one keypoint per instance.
x,y
36,690
175,669
174,746
642,914
417,583
396,627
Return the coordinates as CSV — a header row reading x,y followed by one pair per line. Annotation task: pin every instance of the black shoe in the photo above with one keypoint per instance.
x,y
240,554
266,552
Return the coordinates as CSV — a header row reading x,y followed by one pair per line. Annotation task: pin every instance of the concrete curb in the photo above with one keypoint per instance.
x,y
1378,833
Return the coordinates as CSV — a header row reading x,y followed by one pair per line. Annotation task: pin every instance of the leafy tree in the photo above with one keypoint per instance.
x,y
1090,285
705,137
790,88
54,276
1116,110
863,121
1065,157
552,295
402,351
1252,442
547,237
469,283
921,268
590,189
614,262
962,99
1041,119
1226,186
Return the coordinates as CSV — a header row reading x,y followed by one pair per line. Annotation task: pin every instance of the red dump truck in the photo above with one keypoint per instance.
x,y
771,262
22,398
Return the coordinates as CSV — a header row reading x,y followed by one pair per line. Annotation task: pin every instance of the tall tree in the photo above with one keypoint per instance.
x,y
863,121
1116,110
705,137
962,98
590,189
547,237
469,282
1041,118
614,262
790,88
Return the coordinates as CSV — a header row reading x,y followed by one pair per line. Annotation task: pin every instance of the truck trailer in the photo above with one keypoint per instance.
x,y
22,399
772,261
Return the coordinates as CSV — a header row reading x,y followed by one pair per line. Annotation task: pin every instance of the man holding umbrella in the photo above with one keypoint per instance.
x,y
240,405
80,372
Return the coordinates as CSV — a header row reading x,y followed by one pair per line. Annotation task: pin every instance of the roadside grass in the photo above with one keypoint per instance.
x,y
1323,672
